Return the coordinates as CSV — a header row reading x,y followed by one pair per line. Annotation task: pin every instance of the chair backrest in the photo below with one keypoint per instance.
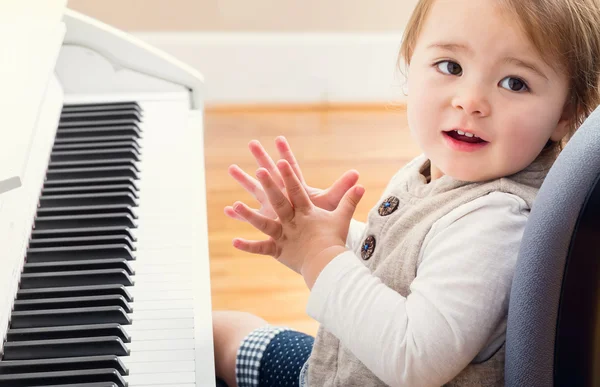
x,y
553,332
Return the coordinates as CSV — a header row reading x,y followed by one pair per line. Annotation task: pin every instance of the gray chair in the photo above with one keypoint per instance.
x,y
553,333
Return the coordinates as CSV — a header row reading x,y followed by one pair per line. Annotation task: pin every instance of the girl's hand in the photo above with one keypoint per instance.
x,y
304,237
327,199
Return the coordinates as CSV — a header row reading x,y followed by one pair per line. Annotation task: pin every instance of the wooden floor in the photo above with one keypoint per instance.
x,y
327,142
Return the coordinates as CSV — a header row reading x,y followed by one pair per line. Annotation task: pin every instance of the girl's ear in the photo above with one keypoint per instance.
x,y
564,124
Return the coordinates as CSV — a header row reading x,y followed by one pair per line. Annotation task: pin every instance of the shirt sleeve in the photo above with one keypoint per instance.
x,y
355,232
457,300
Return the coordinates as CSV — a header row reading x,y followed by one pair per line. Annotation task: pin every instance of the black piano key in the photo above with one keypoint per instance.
x,y
98,139
92,172
107,115
90,384
75,278
73,302
92,264
88,199
93,220
63,377
99,163
74,291
90,182
133,144
63,364
86,131
102,107
128,153
67,332
131,189
118,231
87,210
76,316
53,254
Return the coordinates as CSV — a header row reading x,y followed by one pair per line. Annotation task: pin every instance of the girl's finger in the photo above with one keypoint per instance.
x,y
295,190
279,202
265,161
285,152
229,211
249,183
255,247
268,226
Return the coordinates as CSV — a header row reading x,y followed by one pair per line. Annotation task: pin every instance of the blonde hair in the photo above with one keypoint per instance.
x,y
565,32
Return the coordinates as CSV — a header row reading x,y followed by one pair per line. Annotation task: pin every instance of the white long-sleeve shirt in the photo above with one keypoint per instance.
x,y
457,307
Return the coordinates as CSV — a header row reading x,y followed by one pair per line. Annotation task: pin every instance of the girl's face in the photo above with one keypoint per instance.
x,y
482,103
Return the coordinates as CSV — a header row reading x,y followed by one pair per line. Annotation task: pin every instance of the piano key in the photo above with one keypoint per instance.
x,y
69,332
63,377
47,254
98,139
181,323
88,199
91,384
64,165
82,241
68,364
161,345
152,295
73,302
98,145
126,114
92,172
92,220
91,181
141,335
108,231
87,130
88,189
179,355
87,210
75,291
46,349
75,278
102,107
147,315
161,379
128,152
165,367
64,317
163,305
92,264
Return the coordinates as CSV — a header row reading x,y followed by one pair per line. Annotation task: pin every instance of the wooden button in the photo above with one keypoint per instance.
x,y
388,206
368,248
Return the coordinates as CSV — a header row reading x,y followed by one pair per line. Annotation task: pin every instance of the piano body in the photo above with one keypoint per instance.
x,y
104,272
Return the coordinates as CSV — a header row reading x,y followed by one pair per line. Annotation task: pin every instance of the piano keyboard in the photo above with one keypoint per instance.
x,y
106,297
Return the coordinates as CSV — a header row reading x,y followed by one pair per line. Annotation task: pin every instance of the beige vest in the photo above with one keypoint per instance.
x,y
396,231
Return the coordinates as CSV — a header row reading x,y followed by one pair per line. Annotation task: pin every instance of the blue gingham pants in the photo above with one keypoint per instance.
x,y
273,356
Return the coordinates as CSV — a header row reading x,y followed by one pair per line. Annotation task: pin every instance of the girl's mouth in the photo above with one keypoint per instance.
x,y
463,141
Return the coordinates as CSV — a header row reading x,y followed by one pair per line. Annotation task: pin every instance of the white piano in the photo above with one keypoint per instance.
x,y
104,271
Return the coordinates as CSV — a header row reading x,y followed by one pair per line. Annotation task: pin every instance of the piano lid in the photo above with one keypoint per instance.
x,y
128,52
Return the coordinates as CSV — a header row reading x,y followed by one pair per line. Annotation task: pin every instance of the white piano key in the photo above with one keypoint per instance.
x,y
162,305
145,267
141,287
160,379
161,334
161,367
160,345
162,324
173,314
158,356
154,295
163,277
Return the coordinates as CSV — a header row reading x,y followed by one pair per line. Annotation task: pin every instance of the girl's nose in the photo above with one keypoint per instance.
x,y
472,101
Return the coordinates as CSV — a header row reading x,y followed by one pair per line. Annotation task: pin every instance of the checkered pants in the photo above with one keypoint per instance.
x,y
272,356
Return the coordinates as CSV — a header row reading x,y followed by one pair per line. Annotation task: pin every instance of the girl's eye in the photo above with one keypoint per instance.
x,y
514,84
449,67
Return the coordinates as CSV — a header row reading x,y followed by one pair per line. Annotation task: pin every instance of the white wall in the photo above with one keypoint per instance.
x,y
269,51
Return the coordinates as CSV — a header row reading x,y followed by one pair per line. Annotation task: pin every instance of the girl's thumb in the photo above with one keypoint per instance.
x,y
351,199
